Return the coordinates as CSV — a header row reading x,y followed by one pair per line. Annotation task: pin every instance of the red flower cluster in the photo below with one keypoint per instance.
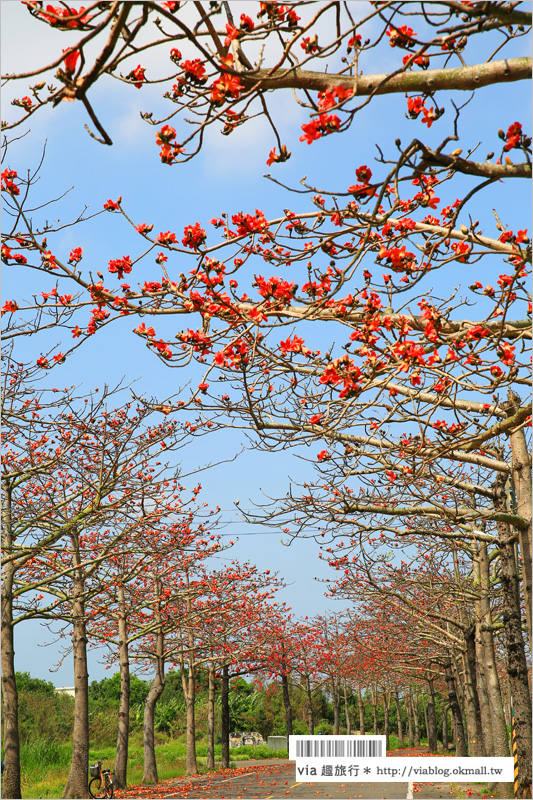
x,y
343,370
120,266
137,76
226,86
401,37
194,70
111,205
248,223
277,13
8,185
194,236
332,96
514,137
58,15
415,105
310,45
399,258
8,255
462,251
273,157
234,355
166,238
71,60
420,61
295,345
320,126
275,288
354,41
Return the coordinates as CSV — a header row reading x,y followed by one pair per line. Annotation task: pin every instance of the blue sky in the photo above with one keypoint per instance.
x,y
226,177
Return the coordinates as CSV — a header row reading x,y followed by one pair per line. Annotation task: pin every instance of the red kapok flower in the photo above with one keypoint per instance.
x,y
70,60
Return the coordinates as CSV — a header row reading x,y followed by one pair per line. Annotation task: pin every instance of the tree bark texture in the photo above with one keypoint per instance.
x,y
309,707
361,711
211,718
460,738
522,485
460,78
287,703
77,781
476,744
432,720
347,711
191,766
225,716
150,775
11,778
398,717
121,757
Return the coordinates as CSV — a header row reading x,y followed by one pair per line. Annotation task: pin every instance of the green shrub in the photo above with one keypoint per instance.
x,y
51,715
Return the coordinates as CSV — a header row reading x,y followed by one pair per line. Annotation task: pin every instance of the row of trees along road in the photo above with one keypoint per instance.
x,y
410,382
100,542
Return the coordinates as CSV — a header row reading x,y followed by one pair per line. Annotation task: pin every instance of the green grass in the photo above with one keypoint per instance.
x,y
45,764
45,767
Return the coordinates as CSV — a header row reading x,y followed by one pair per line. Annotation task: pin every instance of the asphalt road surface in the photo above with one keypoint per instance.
x,y
277,781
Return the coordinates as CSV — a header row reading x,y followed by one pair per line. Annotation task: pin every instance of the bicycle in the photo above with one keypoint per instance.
x,y
101,784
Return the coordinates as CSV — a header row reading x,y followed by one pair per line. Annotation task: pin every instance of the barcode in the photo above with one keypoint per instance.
x,y
327,747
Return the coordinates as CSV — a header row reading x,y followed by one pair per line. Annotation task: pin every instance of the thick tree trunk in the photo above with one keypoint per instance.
x,y
386,717
516,660
11,777
309,707
416,719
347,711
410,720
522,486
374,709
77,781
287,704
460,739
156,690
483,695
335,694
425,710
191,766
398,717
225,717
361,710
499,739
476,746
431,718
121,757
445,728
211,718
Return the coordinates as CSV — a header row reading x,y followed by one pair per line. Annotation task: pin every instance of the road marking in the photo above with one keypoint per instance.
x,y
225,780
295,784
410,786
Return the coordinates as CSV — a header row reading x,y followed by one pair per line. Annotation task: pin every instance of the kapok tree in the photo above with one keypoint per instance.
x,y
447,601
409,378
213,624
101,494
43,499
173,526
223,63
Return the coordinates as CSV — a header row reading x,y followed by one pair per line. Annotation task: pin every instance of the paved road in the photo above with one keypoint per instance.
x,y
276,780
